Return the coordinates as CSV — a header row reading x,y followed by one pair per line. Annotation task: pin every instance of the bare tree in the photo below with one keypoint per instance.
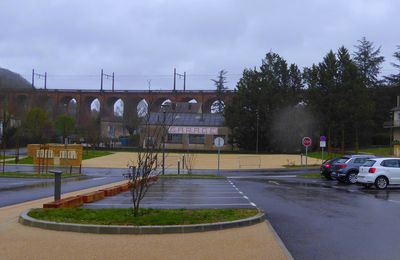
x,y
190,159
144,171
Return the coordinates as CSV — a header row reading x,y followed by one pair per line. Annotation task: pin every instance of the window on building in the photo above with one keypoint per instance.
x,y
174,138
196,139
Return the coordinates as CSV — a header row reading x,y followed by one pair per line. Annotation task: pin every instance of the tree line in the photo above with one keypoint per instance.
x,y
343,97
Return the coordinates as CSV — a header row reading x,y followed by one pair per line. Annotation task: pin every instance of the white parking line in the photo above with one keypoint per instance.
x,y
245,197
173,205
176,197
16,183
261,177
192,192
101,178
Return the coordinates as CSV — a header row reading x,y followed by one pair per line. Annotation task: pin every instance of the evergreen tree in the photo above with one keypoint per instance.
x,y
259,95
218,106
322,83
395,78
368,61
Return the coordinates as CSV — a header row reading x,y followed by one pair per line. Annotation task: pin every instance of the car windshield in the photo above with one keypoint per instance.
x,y
369,163
342,160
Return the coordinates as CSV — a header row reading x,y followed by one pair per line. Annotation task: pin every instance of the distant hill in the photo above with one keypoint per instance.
x,y
12,80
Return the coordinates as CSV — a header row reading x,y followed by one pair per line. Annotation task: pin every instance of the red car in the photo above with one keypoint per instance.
x,y
326,168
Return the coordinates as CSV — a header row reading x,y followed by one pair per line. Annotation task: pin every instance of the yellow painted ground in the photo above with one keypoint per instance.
x,y
205,161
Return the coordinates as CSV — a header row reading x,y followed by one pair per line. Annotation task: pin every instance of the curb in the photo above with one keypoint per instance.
x,y
280,242
26,220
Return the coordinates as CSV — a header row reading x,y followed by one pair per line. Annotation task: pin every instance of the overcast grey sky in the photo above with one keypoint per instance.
x,y
144,40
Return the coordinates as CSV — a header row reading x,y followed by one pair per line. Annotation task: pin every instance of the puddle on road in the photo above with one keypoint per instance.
x,y
44,184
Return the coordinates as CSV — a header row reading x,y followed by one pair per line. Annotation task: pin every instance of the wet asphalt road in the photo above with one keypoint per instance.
x,y
182,193
319,219
18,190
316,219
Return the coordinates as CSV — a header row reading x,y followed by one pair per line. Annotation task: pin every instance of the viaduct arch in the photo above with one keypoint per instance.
x,y
57,101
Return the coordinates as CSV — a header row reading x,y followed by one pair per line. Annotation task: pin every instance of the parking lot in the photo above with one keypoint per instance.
x,y
183,193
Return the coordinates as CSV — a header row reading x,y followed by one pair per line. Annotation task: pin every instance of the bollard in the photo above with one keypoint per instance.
x,y
57,184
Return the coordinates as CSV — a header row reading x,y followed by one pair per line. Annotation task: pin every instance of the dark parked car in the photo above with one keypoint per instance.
x,y
326,168
346,168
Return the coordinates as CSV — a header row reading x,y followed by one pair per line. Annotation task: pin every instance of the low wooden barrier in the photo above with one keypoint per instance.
x,y
93,196
70,202
77,201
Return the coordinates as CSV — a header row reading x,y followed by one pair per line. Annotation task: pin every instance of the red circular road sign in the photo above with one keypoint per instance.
x,y
307,141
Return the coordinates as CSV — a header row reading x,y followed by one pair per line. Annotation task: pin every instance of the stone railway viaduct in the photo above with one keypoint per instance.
x,y
57,101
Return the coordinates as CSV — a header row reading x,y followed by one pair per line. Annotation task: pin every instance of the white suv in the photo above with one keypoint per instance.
x,y
379,171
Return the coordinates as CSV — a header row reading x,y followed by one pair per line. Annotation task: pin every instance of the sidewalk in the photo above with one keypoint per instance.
x,y
22,242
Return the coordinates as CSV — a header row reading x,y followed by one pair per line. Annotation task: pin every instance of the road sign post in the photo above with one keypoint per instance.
x,y
219,142
306,142
322,144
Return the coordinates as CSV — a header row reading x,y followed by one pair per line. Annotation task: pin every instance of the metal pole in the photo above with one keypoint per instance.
x,y
179,167
174,79
113,82
33,78
306,155
257,132
184,81
45,80
163,152
218,159
101,81
322,154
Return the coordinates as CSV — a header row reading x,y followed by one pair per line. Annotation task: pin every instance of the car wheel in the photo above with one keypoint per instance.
x,y
351,177
327,176
381,182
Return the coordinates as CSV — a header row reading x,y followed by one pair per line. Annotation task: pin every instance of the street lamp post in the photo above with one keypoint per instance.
x,y
163,140
257,119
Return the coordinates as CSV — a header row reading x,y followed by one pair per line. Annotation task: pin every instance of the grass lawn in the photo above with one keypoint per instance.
x,y
310,175
89,154
36,175
148,217
301,166
26,160
193,176
318,155
380,151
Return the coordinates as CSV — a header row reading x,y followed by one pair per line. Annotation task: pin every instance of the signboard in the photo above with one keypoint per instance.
x,y
193,130
306,141
219,142
322,138
322,144
56,154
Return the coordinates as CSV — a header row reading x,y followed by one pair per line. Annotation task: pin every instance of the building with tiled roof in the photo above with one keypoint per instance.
x,y
186,128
